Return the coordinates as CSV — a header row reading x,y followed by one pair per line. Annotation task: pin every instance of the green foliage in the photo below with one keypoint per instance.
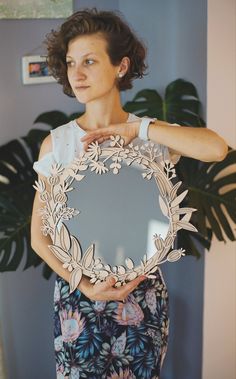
x,y
209,187
180,104
16,194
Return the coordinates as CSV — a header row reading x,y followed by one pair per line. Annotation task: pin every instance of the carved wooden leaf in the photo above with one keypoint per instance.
x,y
186,225
39,185
178,199
75,249
174,190
185,210
75,278
121,270
60,253
129,263
163,207
103,274
83,167
65,241
79,177
186,217
66,187
150,276
88,256
153,270
56,237
99,266
161,185
107,267
145,162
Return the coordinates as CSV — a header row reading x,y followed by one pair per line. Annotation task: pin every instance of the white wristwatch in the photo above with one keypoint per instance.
x,y
143,128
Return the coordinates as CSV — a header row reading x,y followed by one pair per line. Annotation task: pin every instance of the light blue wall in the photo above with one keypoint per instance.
x,y
175,32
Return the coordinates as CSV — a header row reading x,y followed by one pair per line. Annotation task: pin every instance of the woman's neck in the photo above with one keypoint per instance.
x,y
103,112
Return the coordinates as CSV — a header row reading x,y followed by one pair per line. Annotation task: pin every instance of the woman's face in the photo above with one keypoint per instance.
x,y
90,72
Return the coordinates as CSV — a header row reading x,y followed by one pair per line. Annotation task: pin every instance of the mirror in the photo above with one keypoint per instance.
x,y
81,213
118,213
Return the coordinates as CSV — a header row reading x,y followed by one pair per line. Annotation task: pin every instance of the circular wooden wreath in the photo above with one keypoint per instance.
x,y
67,248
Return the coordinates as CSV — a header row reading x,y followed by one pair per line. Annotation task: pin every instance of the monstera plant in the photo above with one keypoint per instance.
x,y
211,190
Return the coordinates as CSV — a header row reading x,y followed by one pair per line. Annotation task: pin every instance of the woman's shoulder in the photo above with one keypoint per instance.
x,y
46,146
47,143
62,129
52,148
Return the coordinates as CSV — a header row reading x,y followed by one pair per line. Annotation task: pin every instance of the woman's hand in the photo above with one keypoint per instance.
x,y
105,291
127,130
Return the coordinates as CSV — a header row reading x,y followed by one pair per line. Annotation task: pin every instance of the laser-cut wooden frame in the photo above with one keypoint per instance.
x,y
101,160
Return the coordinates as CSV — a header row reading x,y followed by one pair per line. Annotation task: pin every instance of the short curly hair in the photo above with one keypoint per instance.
x,y
121,42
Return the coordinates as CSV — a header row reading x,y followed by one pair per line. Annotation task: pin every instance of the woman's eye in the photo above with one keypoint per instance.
x,y
70,63
89,60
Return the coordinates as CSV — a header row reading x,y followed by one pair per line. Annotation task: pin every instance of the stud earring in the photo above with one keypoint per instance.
x,y
120,75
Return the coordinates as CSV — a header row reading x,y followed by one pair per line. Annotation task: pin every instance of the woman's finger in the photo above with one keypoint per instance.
x,y
130,286
122,292
120,129
99,140
97,134
108,292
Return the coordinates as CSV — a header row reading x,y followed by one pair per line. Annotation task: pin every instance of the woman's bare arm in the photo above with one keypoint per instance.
x,y
102,291
198,143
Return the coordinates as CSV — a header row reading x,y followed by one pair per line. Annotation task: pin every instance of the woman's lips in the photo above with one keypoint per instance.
x,y
82,87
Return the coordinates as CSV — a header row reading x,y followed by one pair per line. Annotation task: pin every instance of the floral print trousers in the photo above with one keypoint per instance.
x,y
111,340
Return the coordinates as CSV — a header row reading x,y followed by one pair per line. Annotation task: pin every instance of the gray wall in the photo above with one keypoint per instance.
x,y
175,32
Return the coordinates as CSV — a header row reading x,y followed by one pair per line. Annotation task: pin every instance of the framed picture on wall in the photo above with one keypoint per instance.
x,y
35,70
13,9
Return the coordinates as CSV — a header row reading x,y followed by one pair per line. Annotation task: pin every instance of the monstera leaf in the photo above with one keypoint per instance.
x,y
210,190
207,193
180,105
213,194
16,200
16,196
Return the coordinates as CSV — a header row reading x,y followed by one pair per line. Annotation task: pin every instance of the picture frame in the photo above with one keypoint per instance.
x,y
30,9
35,70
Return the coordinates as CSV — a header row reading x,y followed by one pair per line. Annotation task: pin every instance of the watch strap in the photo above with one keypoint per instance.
x,y
143,128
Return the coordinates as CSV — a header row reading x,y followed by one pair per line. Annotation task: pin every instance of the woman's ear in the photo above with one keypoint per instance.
x,y
124,66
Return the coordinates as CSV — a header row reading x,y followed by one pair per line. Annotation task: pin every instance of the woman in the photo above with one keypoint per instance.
x,y
95,55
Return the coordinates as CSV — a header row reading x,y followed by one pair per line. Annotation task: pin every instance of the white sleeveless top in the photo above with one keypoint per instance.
x,y
66,145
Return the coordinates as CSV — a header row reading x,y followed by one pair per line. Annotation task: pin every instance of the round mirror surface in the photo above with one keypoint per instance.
x,y
118,213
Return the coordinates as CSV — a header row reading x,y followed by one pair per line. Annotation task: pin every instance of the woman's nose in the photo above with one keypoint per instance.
x,y
78,72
